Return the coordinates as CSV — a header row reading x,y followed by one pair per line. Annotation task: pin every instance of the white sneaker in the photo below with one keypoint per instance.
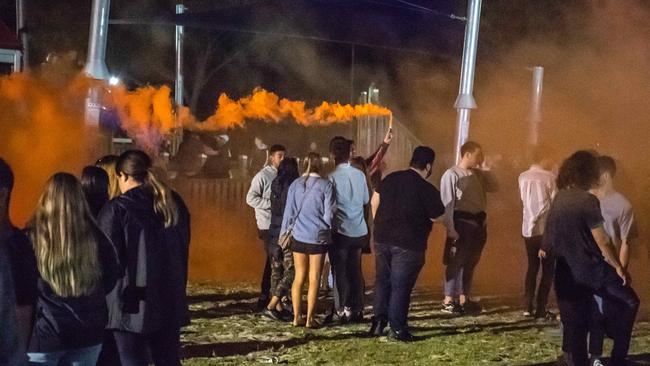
x,y
597,362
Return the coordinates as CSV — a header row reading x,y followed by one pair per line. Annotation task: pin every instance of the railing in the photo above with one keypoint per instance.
x,y
231,193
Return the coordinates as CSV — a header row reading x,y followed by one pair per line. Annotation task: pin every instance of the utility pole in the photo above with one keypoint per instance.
x,y
465,101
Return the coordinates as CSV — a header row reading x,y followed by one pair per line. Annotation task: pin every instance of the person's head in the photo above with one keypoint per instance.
x,y
94,182
312,163
108,163
64,239
276,154
471,154
580,171
422,160
607,170
6,186
360,163
313,146
133,170
288,170
543,156
340,150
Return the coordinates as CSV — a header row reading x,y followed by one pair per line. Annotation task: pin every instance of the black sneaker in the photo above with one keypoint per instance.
x,y
271,314
451,308
545,317
447,307
377,328
401,335
472,307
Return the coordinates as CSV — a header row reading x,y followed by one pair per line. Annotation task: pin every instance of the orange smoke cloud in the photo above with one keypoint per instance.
x,y
42,131
267,106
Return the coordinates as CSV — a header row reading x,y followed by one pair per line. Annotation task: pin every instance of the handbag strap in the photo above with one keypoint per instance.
x,y
302,203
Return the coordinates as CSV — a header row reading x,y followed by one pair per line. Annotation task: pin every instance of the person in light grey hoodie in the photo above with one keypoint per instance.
x,y
259,198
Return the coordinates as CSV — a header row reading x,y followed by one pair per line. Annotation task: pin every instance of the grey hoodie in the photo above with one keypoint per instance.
x,y
259,196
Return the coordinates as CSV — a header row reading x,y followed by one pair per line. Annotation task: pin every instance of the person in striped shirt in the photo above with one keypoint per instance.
x,y
537,188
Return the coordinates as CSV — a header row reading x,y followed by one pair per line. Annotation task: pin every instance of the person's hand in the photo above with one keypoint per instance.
x,y
541,254
389,136
622,273
452,234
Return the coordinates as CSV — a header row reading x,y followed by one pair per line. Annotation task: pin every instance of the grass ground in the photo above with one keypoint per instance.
x,y
224,331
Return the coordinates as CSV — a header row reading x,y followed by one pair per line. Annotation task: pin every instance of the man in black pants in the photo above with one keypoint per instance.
x,y
586,263
404,208
537,188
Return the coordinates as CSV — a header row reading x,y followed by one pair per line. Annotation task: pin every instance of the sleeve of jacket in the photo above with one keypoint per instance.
x,y
109,263
289,209
329,203
109,221
255,196
9,349
448,196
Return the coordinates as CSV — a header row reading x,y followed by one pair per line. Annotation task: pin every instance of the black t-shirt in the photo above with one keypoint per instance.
x,y
407,205
573,214
23,266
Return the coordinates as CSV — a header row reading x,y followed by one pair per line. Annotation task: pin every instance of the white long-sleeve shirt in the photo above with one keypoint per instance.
x,y
537,189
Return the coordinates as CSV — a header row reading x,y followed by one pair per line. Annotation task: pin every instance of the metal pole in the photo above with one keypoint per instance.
x,y
21,31
536,105
352,56
95,63
465,101
178,85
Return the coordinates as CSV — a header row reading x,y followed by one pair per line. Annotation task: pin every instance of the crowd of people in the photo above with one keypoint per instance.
x,y
99,274
575,226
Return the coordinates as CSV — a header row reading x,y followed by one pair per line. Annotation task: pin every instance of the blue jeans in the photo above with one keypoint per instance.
x,y
396,269
76,357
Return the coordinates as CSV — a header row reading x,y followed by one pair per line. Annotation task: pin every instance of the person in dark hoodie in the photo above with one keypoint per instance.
x,y
77,267
11,351
282,270
149,226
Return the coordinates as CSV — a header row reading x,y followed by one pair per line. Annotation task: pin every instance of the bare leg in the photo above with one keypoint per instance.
x,y
301,263
315,268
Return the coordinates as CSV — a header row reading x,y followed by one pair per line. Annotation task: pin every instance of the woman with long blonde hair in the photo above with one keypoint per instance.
x,y
307,217
108,163
149,226
77,267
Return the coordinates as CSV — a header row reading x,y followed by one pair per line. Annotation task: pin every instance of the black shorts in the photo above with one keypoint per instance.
x,y
306,248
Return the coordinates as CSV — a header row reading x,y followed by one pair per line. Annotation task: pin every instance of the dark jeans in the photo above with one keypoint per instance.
x,y
109,355
620,305
164,345
459,273
619,308
265,286
533,245
397,269
345,257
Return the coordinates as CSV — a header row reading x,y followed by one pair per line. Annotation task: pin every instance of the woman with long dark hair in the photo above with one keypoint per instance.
x,y
149,227
308,216
282,268
94,182
586,263
77,267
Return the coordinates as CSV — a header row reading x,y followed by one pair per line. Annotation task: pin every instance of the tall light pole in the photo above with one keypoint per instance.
x,y
535,117
96,61
21,31
178,85
465,101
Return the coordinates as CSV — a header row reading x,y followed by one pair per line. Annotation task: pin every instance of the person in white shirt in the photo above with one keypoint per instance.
x,y
537,188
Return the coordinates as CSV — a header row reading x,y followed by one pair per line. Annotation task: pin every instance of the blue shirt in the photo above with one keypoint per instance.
x,y
312,223
350,194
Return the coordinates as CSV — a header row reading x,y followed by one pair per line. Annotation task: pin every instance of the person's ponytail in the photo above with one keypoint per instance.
x,y
164,203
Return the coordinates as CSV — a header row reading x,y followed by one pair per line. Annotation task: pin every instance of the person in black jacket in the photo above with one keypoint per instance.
x,y
11,351
77,267
149,226
282,270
